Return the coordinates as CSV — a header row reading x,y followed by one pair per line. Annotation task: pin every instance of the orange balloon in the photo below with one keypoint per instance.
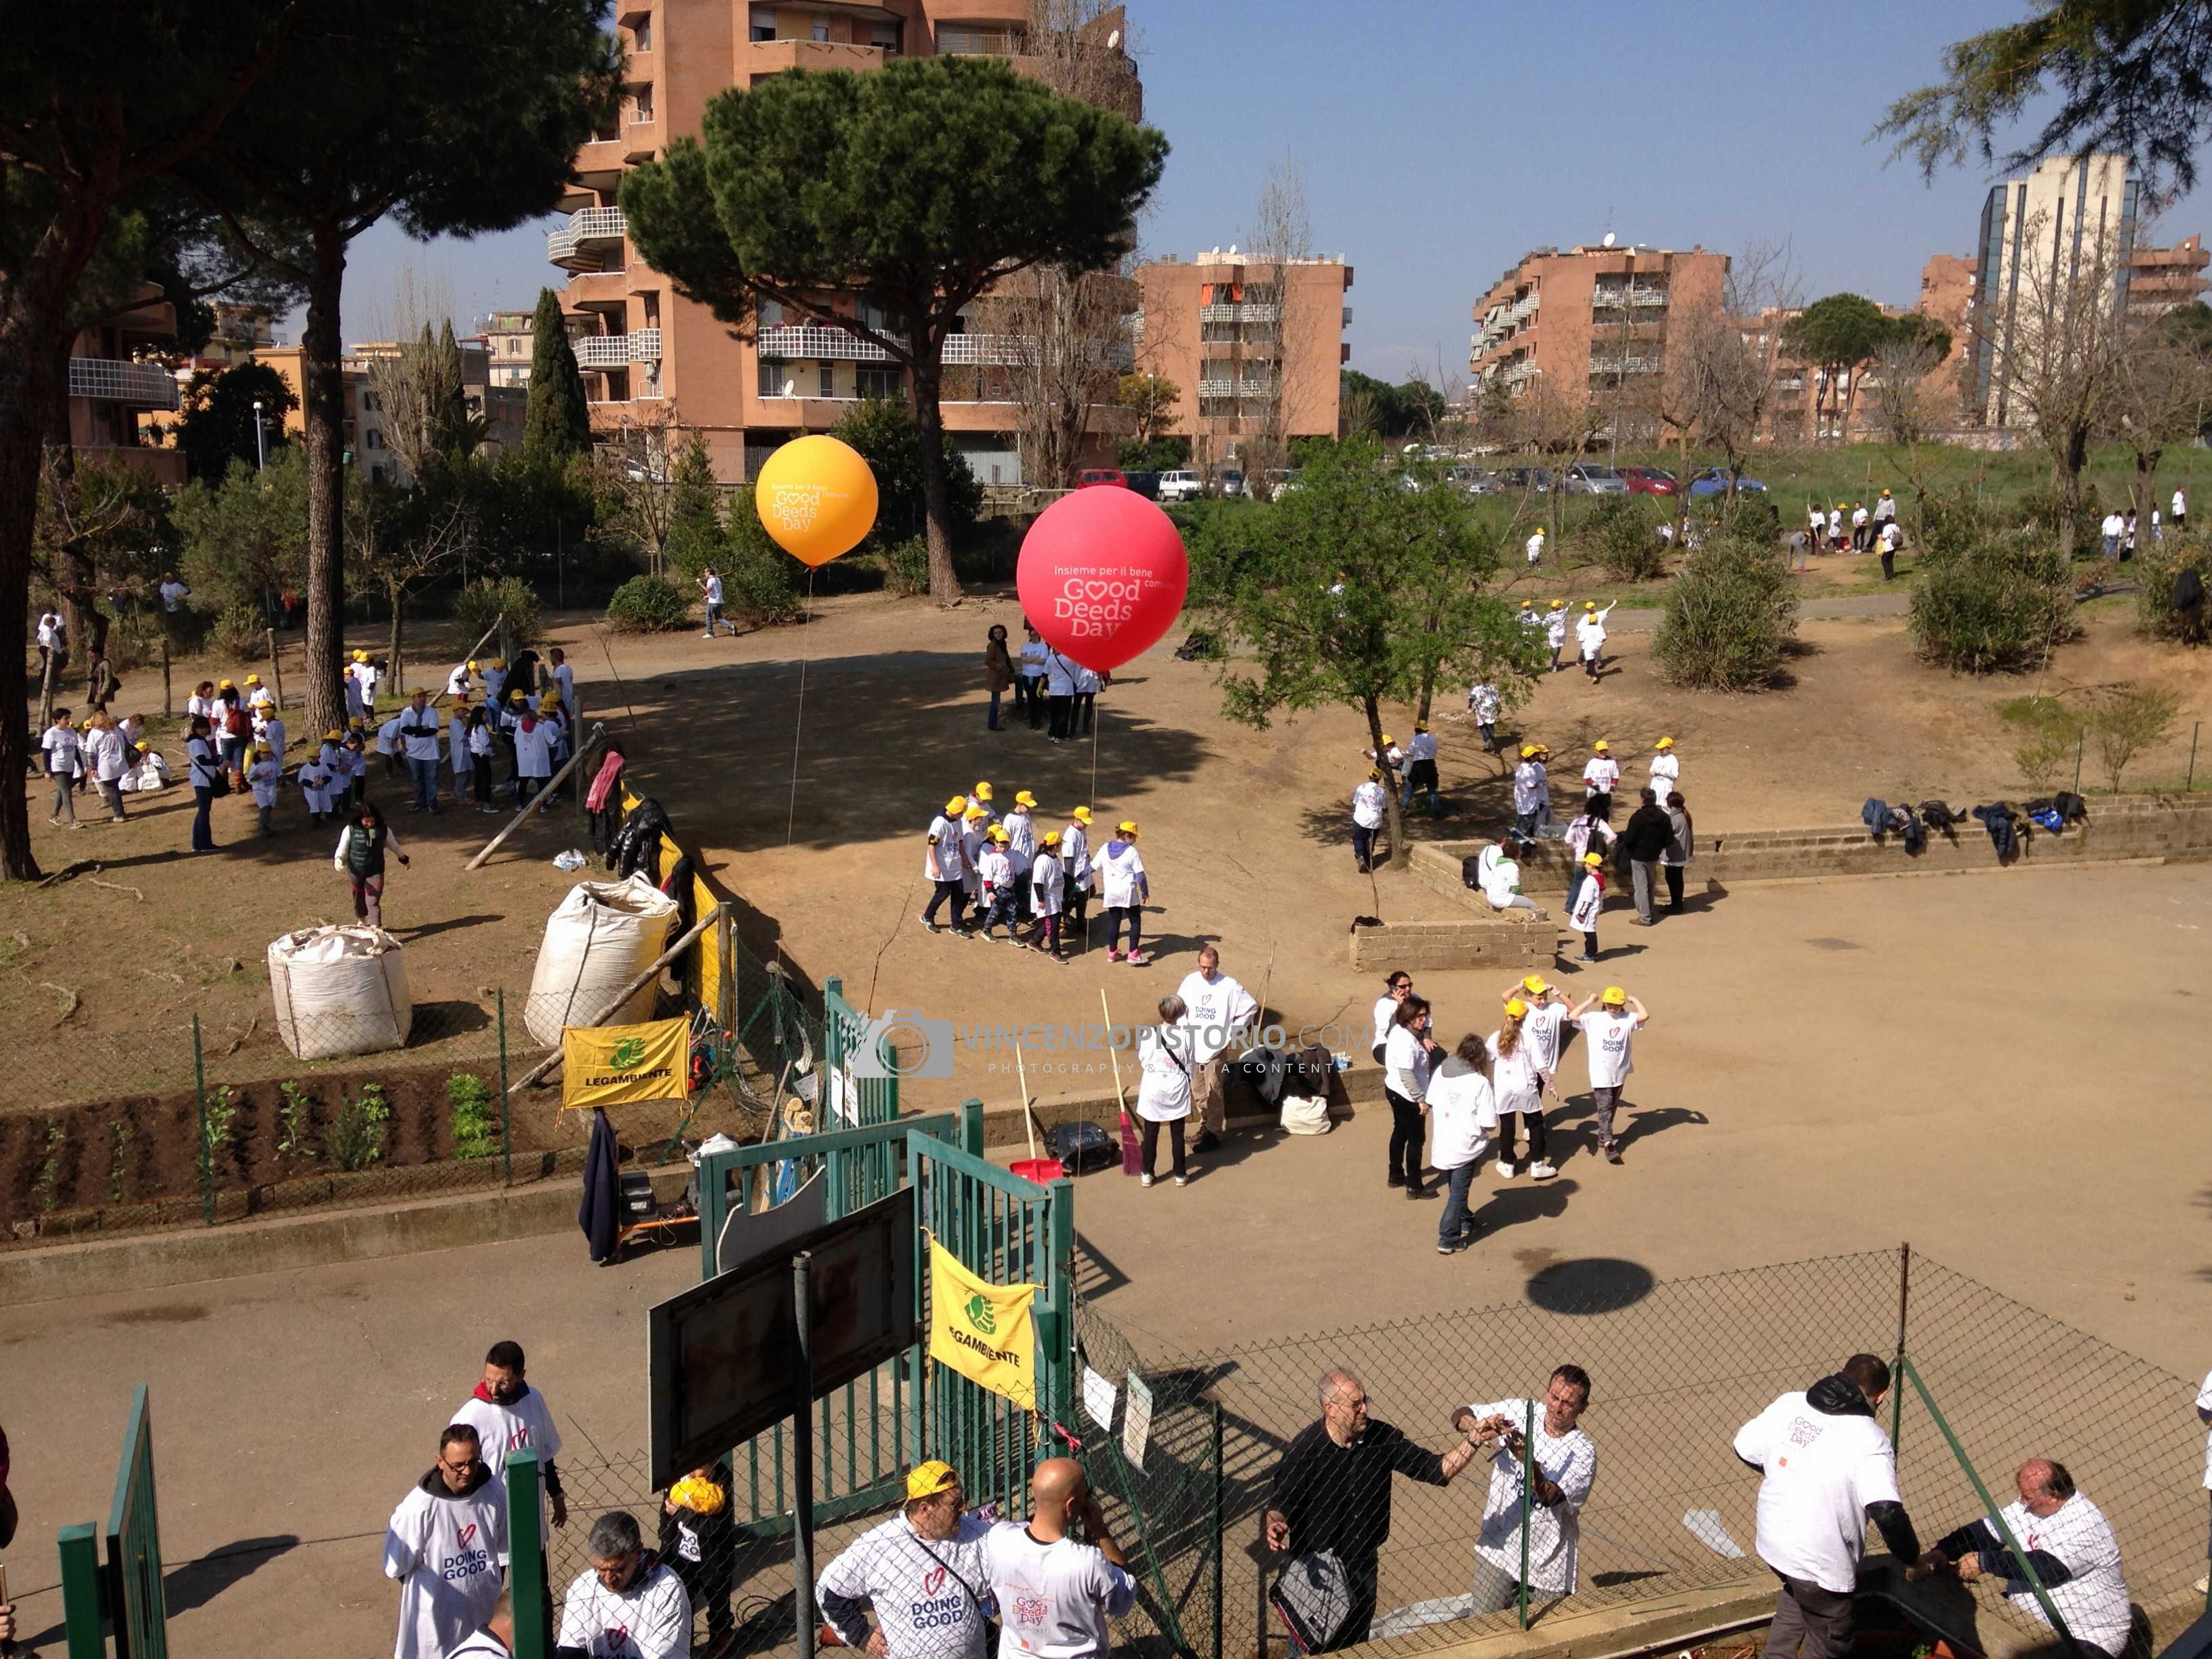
x,y
817,498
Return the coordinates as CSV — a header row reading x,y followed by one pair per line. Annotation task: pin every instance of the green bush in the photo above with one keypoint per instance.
x,y
1954,522
2157,564
885,433
484,601
1730,617
762,585
356,1138
1752,514
242,635
2039,506
475,1135
647,604
906,567
1624,533
1217,539
1997,605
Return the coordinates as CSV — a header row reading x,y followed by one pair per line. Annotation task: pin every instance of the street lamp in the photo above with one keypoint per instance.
x,y
260,444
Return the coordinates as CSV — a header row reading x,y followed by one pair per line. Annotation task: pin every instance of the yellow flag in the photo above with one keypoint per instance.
x,y
982,1330
623,1064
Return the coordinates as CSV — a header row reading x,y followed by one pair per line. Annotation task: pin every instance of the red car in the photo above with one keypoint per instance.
x,y
1103,474
1650,481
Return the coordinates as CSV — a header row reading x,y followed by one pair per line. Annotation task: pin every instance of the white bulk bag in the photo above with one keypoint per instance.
x,y
340,991
598,939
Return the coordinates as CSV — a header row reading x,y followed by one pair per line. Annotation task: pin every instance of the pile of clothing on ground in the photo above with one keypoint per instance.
x,y
2008,825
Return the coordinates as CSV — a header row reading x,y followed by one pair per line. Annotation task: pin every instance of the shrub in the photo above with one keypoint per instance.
x,y
1730,616
1954,522
355,1140
474,1134
1624,531
885,433
242,635
1752,515
761,586
2039,506
484,602
2156,567
1997,605
906,567
647,604
2128,721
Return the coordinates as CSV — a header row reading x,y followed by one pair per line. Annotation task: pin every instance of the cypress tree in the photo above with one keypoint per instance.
x,y
559,424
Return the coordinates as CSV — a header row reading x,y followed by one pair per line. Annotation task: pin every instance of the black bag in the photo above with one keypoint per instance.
x,y
2187,589
1083,1147
2070,806
1470,870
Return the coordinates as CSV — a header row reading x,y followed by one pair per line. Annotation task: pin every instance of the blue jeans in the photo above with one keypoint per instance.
x,y
991,720
203,838
1407,805
426,781
1454,1220
714,615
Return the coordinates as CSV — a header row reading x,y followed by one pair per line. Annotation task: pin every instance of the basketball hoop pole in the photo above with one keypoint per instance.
x,y
802,1462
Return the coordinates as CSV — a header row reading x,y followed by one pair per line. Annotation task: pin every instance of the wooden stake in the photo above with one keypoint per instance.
x,y
276,668
1028,1127
169,702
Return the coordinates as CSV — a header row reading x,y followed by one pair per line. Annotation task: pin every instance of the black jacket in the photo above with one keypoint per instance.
x,y
600,1214
1646,834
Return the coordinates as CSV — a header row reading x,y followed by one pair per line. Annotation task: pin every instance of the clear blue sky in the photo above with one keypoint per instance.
x,y
1443,139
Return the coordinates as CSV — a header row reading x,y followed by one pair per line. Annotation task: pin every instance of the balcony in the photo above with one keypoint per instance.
x,y
164,467
590,240
1347,316
766,58
788,340
1240,313
617,350
1623,365
143,386
641,137
1629,298
1238,388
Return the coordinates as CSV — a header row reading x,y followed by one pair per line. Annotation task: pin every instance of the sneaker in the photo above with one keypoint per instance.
x,y
1413,1191
1613,1155
1586,956
1506,1171
1453,1249
929,926
1542,1170
1395,1181
1206,1143
1113,955
1182,1180
1138,959
1143,1181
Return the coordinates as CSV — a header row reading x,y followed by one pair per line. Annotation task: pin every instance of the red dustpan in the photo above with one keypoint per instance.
x,y
1032,1168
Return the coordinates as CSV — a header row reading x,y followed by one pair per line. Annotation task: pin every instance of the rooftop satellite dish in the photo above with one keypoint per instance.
x,y
1608,239
1232,249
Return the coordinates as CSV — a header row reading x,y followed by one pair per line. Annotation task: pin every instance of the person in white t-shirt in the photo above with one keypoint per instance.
x,y
510,1416
1666,769
1562,1469
1599,776
1220,1010
1060,695
1163,1087
1055,1593
2180,511
1369,806
2068,1541
1395,989
1420,773
1535,548
710,590
1589,635
628,1604
1482,702
946,867
1463,1115
1544,1022
2113,527
923,1572
1555,631
1034,653
1519,1082
1500,878
495,1638
1608,1024
1408,1054
447,1546
1123,888
1829,1470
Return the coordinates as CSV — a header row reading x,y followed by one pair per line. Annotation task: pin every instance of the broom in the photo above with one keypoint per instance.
x,y
1132,1157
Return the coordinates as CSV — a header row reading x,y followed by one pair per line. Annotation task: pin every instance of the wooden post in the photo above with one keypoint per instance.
x,y
276,668
169,702
623,996
471,656
535,801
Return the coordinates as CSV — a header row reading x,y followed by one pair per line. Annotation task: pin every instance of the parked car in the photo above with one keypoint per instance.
x,y
1595,478
1651,481
1526,477
1146,485
1482,482
1102,475
1283,480
1233,484
1181,485
1712,481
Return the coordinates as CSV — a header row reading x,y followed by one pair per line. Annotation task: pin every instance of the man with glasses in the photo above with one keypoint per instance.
x,y
923,1571
448,1548
627,1605
1562,1468
1332,1497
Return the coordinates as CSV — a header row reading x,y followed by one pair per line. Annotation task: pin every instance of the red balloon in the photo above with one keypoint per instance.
x,y
1101,575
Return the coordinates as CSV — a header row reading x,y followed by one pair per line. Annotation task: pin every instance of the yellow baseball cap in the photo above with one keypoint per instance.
x,y
1081,815
1599,747
225,685
1022,798
1420,726
1516,1009
1559,604
1050,838
975,813
251,679
1885,492
333,736
261,749
499,662
1614,996
1535,984
360,656
1528,751
1387,738
1126,827
1665,743
1589,604
927,1480
997,832
472,665
982,792
1593,858
957,803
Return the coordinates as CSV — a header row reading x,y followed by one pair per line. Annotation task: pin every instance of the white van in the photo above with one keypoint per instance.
x,y
1180,486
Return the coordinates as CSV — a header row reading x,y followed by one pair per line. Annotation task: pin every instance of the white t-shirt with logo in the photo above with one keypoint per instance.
x,y
2094,1600
1539,1029
1217,1009
1164,1066
1367,806
525,1425
1821,1474
1515,1079
1054,1599
651,1620
1462,1114
1608,1036
951,864
1569,1461
1601,774
919,1600
447,1551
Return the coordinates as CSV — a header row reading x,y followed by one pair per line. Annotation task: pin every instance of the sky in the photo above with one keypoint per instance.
x,y
1443,139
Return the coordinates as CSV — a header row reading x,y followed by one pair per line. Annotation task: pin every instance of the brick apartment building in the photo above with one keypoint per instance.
x,y
642,343
118,380
1589,322
1255,348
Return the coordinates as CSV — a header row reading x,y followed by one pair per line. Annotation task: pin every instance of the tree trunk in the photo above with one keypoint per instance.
x,y
935,504
394,596
34,371
2066,495
322,402
2146,490
1400,853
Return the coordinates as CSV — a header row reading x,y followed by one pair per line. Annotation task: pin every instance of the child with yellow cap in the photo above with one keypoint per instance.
x,y
1589,899
1666,769
1589,636
995,872
1599,776
1547,1011
1075,859
1606,1024
1555,630
945,867
974,836
1047,892
1532,794
1517,1082
315,780
1021,846
1124,889
262,777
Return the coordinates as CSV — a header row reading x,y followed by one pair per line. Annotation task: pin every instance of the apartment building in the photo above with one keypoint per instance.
x,y
1590,323
642,345
1254,347
2163,279
119,379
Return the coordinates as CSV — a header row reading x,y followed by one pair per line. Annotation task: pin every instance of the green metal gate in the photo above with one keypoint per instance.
x,y
128,1593
1009,1231
867,1433
851,1102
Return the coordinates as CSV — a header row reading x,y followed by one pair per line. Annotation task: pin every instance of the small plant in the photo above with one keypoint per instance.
x,y
216,1117
2043,763
49,1168
119,1133
1729,618
356,1134
906,568
647,604
295,1116
2128,721
509,601
474,1135
1625,533
242,635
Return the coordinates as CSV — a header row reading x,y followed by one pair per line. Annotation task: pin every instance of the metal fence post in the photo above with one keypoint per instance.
x,y
1528,1499
1897,1381
971,1127
1218,1501
2080,743
2195,732
81,1592
525,1572
506,1106
199,1099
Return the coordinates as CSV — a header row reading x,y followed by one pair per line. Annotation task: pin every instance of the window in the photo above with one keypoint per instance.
x,y
368,401
771,378
771,313
884,36
640,102
764,22
877,381
826,376
641,38
374,439
821,28
652,310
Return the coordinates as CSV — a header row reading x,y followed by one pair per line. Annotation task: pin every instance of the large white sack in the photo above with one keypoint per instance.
x,y
598,939
340,991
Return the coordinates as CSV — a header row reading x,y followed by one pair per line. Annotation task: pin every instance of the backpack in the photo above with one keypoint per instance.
x,y
235,724
1082,1147
2187,589
1470,870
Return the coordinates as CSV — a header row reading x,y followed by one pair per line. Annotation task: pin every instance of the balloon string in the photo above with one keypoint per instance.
x,y
799,719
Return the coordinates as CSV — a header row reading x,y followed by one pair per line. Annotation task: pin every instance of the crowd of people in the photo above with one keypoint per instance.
x,y
999,872
1058,695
